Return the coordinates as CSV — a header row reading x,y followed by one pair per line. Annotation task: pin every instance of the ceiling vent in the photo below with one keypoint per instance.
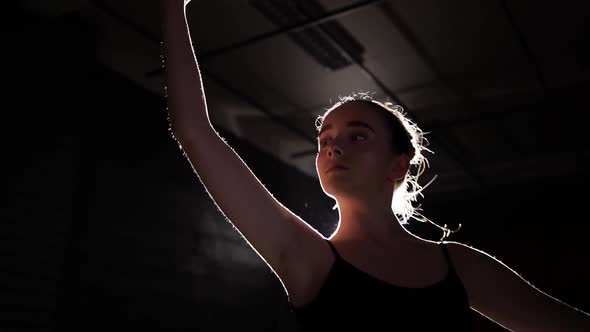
x,y
324,41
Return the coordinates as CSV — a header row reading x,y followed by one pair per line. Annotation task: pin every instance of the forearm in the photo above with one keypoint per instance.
x,y
187,105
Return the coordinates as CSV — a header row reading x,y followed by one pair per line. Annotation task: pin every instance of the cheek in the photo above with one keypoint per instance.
x,y
318,162
374,161
364,154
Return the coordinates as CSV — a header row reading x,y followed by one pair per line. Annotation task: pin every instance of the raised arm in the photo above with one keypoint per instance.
x,y
280,237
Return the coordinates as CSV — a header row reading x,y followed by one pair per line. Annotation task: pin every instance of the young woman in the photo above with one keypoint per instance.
x,y
370,272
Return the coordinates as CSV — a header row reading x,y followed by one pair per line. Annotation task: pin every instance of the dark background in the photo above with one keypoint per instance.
x,y
106,225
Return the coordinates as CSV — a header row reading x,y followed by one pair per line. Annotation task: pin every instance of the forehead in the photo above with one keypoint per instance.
x,y
354,111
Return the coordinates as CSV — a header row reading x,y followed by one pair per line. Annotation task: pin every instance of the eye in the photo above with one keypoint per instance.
x,y
358,137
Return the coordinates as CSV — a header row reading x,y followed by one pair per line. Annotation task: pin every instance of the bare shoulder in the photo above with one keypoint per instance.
x,y
467,259
461,250
476,268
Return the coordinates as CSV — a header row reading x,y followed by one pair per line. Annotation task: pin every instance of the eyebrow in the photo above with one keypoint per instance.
x,y
348,124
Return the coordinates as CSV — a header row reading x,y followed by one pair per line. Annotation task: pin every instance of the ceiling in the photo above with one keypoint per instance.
x,y
500,86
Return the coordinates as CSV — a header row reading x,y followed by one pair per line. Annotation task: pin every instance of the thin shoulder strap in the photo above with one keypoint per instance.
x,y
447,256
333,248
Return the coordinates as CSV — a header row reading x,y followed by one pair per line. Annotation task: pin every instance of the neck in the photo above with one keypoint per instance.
x,y
369,221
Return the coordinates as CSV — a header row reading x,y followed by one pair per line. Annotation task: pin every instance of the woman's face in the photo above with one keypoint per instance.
x,y
354,152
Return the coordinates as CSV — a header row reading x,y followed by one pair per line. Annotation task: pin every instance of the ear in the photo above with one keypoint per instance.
x,y
399,168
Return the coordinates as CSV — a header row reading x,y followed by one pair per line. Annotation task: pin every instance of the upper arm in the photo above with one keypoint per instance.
x,y
275,233
501,294
282,239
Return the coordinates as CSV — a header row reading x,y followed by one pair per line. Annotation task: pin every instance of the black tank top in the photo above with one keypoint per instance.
x,y
351,298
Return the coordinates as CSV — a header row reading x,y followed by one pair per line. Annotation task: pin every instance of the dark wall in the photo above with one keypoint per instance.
x,y
107,225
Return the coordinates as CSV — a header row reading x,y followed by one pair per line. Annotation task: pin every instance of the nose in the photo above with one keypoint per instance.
x,y
334,150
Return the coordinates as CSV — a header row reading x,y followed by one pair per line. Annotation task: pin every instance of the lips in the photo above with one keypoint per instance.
x,y
336,167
